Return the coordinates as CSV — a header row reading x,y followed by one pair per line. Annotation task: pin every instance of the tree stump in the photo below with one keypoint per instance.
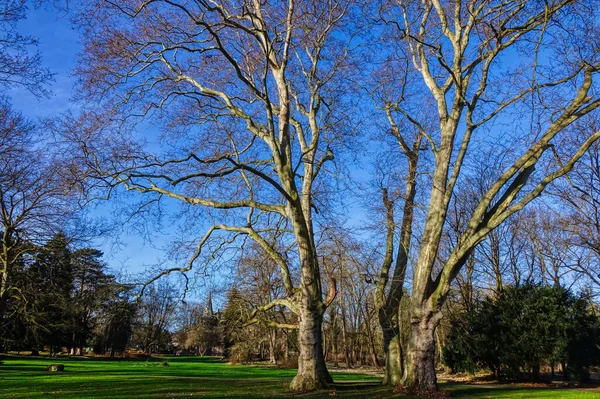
x,y
56,368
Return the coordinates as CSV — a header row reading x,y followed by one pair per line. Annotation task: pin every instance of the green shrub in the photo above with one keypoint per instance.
x,y
522,329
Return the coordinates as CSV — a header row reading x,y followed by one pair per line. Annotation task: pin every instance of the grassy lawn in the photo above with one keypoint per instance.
x,y
185,377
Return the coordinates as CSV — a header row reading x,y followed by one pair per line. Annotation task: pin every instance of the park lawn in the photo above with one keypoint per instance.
x,y
195,377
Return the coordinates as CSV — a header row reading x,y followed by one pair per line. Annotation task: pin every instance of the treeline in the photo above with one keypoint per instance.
x,y
65,298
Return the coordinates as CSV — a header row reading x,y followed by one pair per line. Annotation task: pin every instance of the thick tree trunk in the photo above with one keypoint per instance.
x,y
312,371
394,364
420,357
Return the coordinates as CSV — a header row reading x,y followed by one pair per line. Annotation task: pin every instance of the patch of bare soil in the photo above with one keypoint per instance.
x,y
480,377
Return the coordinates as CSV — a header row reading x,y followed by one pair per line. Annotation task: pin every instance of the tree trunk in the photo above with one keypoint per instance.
x,y
372,347
272,343
394,367
344,329
356,338
286,347
312,371
420,359
334,340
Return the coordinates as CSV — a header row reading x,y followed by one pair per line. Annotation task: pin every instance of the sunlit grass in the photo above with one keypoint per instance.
x,y
185,377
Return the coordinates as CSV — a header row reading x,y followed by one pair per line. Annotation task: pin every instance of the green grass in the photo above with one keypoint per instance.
x,y
194,377
513,392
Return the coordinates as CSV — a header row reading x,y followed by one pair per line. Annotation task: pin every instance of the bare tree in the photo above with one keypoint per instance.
x,y
33,203
18,66
461,50
398,172
250,101
155,314
258,278
579,215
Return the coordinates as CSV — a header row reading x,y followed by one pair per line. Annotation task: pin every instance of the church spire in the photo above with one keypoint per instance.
x,y
209,306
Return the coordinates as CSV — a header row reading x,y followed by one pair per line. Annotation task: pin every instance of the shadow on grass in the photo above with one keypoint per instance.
x,y
355,385
132,359
518,391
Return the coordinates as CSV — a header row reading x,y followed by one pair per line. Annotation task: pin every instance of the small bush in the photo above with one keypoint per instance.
x,y
165,364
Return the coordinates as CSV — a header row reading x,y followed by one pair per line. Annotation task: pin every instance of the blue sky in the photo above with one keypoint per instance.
x,y
59,45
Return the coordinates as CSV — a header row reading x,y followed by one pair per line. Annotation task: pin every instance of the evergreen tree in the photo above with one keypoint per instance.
x,y
92,288
50,283
523,329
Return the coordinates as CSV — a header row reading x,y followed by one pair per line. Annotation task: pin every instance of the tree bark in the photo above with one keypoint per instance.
x,y
420,359
334,340
394,363
272,343
312,371
389,308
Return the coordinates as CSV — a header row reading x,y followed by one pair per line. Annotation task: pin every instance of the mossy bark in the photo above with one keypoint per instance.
x,y
394,363
420,358
312,371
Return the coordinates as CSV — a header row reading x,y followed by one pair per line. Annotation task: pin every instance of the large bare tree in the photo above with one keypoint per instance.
x,y
517,75
248,98
29,193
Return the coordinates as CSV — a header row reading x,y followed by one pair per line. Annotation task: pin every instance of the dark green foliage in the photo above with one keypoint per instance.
x,y
582,343
523,329
92,288
115,322
61,298
232,327
48,293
